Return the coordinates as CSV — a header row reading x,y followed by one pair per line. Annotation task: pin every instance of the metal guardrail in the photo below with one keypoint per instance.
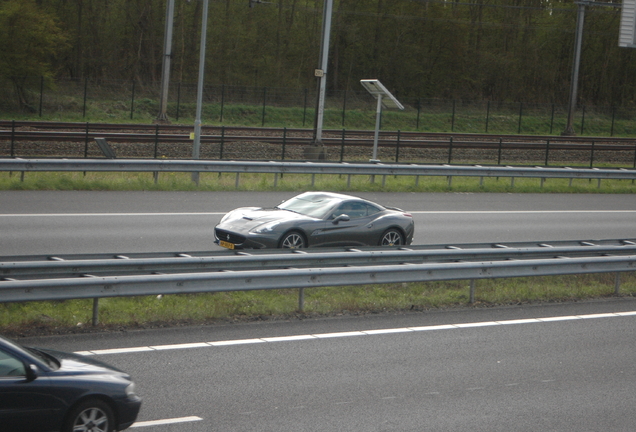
x,y
372,169
73,266
146,275
283,269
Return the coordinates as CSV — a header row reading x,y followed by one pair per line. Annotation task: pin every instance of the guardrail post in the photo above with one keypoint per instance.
x,y
472,291
617,283
95,311
301,299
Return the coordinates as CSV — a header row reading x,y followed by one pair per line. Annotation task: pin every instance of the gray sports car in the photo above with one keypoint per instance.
x,y
314,219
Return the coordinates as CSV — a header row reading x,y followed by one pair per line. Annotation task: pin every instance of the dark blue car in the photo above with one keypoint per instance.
x,y
43,390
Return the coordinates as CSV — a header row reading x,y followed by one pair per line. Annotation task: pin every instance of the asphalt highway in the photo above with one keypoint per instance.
x,y
37,222
560,367
556,367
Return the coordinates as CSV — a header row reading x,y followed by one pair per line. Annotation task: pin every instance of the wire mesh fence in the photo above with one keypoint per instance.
x,y
119,101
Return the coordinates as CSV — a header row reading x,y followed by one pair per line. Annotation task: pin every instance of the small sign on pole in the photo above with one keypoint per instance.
x,y
627,34
386,99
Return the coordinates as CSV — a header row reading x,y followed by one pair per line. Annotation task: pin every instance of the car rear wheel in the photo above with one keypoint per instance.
x,y
392,237
92,415
293,240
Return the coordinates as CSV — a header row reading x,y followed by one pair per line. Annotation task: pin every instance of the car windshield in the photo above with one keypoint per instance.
x,y
313,205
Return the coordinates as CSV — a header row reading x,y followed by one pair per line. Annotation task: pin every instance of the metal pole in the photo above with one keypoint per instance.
x,y
580,19
167,55
324,60
196,148
378,115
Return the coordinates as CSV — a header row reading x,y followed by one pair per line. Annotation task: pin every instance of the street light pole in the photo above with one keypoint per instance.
x,y
322,72
167,56
196,148
574,83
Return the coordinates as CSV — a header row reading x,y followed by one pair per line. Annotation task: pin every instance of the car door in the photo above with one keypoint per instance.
x,y
26,403
352,232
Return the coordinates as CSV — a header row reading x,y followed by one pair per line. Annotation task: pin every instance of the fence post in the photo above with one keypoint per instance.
x,y
305,108
450,150
284,142
222,142
487,115
156,139
552,119
264,101
547,152
592,156
41,93
85,91
86,144
344,107
222,101
417,121
397,148
13,139
132,102
583,120
178,99
342,146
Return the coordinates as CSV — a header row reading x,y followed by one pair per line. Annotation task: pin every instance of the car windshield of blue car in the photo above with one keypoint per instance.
x,y
316,206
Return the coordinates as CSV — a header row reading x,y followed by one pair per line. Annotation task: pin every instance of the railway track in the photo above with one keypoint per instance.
x,y
63,139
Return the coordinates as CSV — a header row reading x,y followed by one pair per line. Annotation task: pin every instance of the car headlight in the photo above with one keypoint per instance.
x,y
265,228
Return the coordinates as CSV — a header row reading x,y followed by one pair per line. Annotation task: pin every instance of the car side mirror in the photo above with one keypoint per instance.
x,y
31,372
341,218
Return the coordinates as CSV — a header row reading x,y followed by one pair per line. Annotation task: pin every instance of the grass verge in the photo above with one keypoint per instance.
x,y
71,316
300,182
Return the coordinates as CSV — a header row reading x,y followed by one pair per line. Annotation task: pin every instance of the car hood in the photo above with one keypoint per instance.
x,y
247,218
74,364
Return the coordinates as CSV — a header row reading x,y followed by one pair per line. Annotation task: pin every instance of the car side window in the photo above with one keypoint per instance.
x,y
372,209
352,209
10,366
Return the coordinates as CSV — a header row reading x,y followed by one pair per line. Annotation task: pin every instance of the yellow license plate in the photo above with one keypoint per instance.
x,y
226,244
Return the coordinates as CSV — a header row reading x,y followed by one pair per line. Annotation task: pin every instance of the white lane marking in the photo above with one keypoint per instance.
x,y
354,333
110,214
166,421
222,213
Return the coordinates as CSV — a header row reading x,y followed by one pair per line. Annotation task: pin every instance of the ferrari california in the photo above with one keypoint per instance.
x,y
315,219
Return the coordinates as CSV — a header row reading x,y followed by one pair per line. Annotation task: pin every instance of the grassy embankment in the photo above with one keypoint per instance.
x,y
25,318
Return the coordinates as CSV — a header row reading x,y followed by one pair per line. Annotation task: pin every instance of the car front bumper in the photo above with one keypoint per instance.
x,y
233,240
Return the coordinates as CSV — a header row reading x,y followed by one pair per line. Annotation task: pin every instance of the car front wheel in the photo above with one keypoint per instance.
x,y
392,237
91,416
293,240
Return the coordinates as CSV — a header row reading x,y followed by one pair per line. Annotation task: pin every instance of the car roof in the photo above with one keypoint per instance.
x,y
318,196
